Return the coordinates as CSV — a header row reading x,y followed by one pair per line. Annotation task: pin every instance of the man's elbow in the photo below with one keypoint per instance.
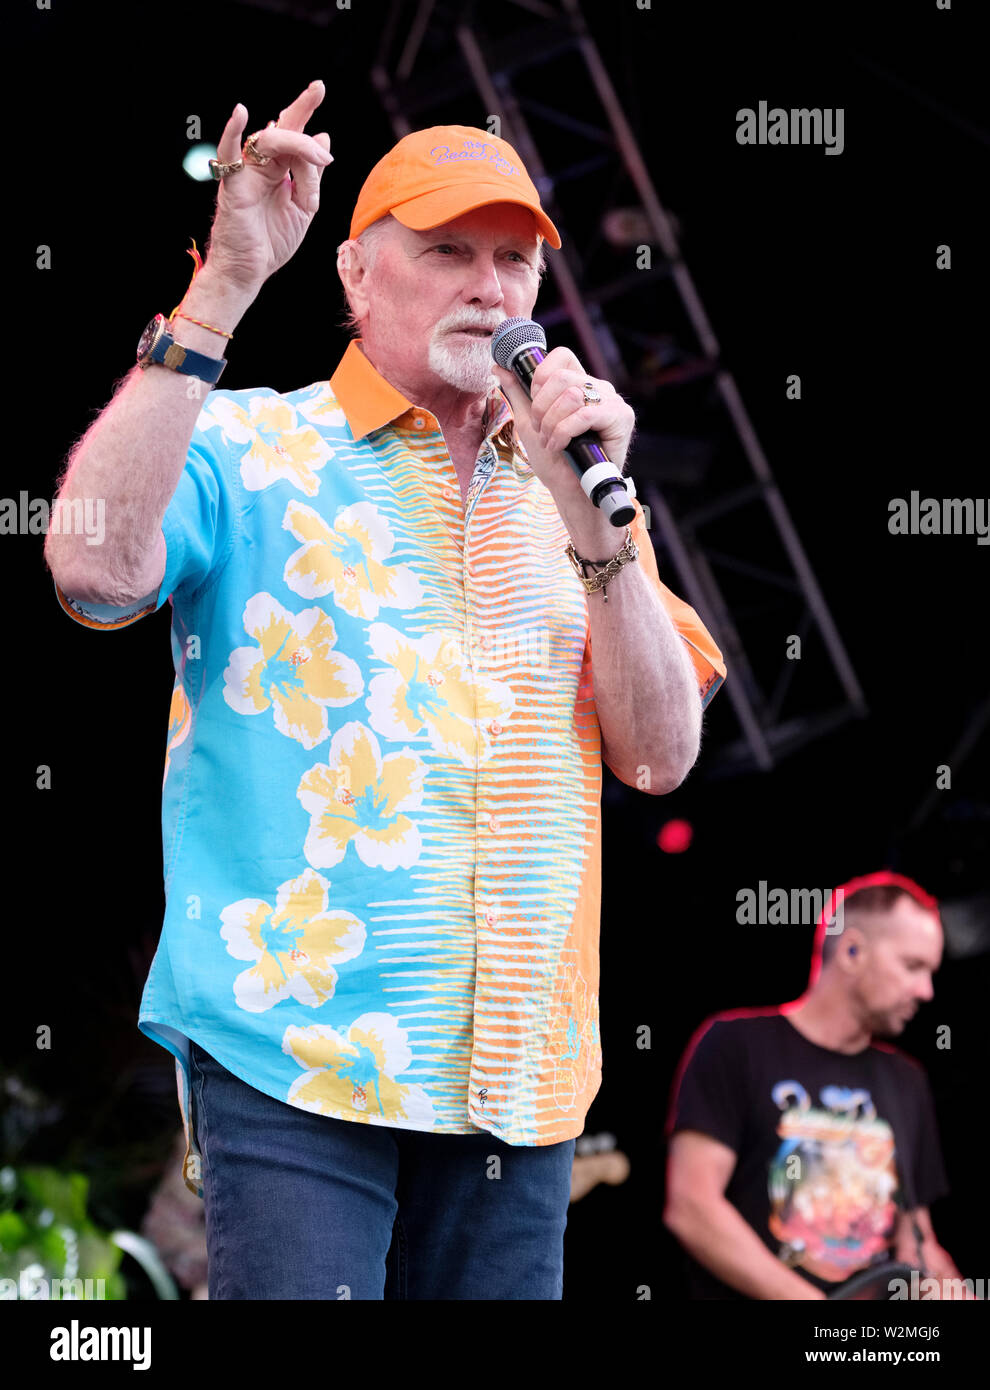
x,y
669,1218
667,784
678,773
658,775
677,1217
661,769
674,760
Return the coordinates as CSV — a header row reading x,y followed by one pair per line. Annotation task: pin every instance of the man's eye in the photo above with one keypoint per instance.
x,y
445,246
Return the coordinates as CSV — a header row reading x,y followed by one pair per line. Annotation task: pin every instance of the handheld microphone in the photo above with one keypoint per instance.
x,y
520,345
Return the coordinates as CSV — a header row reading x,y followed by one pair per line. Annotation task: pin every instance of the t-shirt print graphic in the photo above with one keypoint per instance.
x,y
831,1181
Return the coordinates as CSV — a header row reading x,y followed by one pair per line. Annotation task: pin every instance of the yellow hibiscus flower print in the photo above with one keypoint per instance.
x,y
293,946
347,559
293,670
359,795
431,688
352,1076
280,445
320,406
179,724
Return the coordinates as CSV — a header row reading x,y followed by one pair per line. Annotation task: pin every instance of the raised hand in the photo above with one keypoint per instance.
x,y
263,212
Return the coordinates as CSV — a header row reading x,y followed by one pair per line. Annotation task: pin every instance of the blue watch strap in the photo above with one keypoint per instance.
x,y
183,359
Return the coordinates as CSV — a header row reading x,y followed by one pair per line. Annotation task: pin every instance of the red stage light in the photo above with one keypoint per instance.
x,y
675,837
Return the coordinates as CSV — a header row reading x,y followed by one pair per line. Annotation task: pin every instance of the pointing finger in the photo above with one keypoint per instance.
x,y
229,144
295,116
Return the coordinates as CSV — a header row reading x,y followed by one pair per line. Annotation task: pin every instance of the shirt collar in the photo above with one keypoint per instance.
x,y
369,401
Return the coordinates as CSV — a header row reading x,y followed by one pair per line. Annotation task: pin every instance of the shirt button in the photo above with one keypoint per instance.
x,y
494,824
491,918
449,494
419,422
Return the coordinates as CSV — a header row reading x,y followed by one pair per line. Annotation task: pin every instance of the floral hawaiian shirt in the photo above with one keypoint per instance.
x,y
381,810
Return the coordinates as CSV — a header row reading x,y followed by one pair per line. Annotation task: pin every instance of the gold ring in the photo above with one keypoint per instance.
x,y
250,150
220,171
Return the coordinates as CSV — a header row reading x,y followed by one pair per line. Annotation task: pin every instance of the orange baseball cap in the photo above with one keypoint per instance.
x,y
432,176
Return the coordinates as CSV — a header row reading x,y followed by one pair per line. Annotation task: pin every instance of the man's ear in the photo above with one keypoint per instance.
x,y
352,271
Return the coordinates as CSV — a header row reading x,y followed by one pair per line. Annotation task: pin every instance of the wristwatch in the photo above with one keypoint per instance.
x,y
158,345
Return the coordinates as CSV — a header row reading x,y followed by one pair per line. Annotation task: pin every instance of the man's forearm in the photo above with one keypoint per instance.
x,y
132,456
931,1256
719,1238
646,692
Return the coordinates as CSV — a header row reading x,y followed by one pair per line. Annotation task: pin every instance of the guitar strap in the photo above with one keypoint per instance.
x,y
906,1195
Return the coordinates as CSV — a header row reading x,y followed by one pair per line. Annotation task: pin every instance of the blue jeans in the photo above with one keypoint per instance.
x,y
303,1206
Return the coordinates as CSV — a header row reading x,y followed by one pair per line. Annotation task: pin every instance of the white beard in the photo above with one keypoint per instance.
x,y
465,364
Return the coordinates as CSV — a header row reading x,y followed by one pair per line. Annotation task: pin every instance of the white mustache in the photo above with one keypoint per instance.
x,y
483,327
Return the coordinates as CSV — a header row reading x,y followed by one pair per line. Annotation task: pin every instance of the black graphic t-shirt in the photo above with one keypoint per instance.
x,y
828,1144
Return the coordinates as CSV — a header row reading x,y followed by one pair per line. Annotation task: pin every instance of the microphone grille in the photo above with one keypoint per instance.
x,y
512,335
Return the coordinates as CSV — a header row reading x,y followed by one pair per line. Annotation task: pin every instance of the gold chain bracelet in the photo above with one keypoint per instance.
x,y
611,567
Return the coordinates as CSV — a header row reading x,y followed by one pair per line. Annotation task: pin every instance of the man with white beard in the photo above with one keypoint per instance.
x,y
379,963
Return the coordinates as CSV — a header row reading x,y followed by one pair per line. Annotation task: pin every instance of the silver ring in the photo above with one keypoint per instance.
x,y
591,396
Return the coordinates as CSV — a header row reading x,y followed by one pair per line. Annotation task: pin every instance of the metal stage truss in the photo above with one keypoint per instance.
x,y
437,63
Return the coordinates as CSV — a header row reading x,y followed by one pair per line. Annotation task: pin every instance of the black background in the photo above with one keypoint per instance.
x,y
806,263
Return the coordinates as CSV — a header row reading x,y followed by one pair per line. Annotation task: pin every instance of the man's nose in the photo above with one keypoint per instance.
x,y
482,284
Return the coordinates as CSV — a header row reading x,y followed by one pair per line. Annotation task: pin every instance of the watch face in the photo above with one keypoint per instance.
x,y
148,337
